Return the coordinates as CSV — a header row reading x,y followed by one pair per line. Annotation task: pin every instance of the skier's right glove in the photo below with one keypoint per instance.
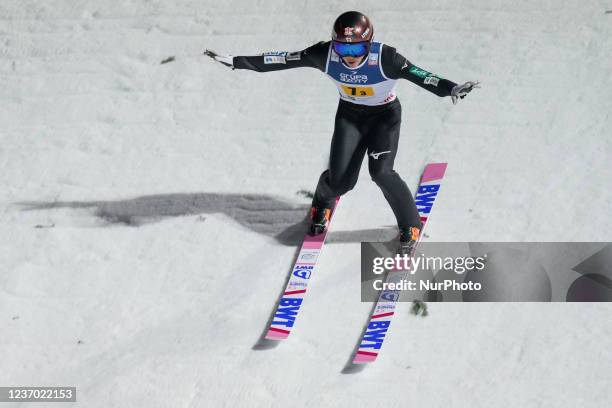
x,y
227,60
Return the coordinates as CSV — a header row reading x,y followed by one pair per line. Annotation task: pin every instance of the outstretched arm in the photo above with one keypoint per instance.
x,y
396,66
313,57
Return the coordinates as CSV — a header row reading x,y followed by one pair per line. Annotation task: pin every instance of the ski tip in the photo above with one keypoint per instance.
x,y
277,334
437,165
434,171
364,357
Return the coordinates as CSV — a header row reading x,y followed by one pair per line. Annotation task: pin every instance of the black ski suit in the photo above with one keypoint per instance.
x,y
360,129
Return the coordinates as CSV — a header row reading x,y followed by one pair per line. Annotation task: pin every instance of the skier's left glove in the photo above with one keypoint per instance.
x,y
227,60
459,91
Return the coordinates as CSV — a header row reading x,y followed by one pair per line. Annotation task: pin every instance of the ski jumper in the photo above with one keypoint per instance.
x,y
367,120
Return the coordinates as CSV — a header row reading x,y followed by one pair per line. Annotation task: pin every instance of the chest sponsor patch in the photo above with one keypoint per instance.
x,y
353,78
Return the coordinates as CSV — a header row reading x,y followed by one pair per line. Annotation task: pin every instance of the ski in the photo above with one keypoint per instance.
x,y
291,300
379,321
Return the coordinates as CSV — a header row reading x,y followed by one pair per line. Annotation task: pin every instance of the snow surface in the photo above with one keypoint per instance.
x,y
165,200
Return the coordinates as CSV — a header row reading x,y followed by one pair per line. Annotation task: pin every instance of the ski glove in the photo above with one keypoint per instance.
x,y
459,91
227,60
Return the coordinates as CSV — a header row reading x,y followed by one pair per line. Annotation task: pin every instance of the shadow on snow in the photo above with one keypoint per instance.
x,y
261,213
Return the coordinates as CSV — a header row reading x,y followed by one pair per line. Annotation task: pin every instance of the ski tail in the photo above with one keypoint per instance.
x,y
288,306
376,329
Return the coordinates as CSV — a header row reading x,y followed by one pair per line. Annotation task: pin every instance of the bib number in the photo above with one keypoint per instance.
x,y
357,91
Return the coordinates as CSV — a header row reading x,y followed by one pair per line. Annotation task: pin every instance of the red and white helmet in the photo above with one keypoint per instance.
x,y
352,27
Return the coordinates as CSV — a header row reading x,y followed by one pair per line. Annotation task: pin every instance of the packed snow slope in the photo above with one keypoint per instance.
x,y
148,211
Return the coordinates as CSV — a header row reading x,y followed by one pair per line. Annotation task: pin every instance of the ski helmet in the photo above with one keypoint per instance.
x,y
351,27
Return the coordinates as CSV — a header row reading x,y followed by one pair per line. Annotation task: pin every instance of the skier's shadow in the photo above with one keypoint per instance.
x,y
264,214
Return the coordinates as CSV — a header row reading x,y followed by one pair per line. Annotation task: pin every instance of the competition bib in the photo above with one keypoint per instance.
x,y
362,85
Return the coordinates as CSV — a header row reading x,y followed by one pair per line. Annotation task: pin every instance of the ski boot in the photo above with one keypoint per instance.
x,y
408,239
319,217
